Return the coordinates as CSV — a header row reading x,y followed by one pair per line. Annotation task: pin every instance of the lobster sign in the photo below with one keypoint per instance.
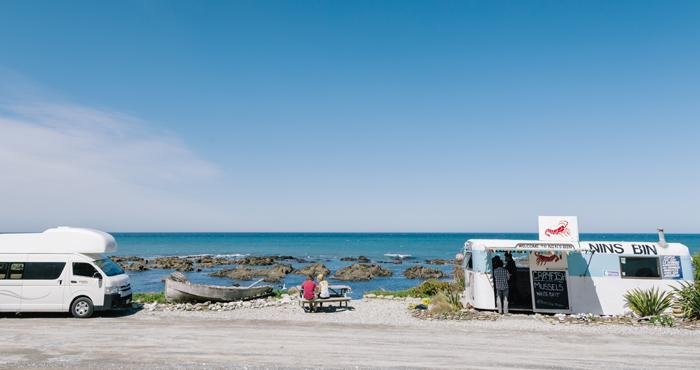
x,y
562,229
559,228
545,258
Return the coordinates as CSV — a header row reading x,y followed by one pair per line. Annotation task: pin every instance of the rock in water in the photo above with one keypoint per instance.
x,y
256,261
313,270
271,274
361,271
238,273
422,272
439,261
171,263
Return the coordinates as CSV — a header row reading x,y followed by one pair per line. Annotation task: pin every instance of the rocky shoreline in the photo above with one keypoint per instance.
x,y
276,268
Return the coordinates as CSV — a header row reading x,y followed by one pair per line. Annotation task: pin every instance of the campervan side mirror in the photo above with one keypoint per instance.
x,y
97,275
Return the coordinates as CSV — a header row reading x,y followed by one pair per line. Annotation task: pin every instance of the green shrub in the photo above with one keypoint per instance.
x,y
454,299
426,289
459,281
440,304
277,293
395,293
651,302
149,297
431,287
696,266
689,299
663,320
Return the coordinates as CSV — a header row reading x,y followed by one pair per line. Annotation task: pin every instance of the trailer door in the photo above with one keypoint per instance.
x,y
549,277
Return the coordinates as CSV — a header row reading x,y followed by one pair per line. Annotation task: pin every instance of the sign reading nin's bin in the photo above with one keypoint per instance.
x,y
550,291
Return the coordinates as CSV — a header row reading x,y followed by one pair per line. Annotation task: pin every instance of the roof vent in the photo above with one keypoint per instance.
x,y
662,238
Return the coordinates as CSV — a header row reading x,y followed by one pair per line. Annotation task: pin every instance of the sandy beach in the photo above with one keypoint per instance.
x,y
373,334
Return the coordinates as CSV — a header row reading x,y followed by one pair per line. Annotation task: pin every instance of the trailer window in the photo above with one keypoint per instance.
x,y
43,270
468,259
640,267
3,269
16,270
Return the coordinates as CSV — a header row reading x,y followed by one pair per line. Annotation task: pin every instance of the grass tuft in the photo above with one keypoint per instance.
x,y
149,297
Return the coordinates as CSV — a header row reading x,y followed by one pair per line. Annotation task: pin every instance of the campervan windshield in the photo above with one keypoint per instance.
x,y
109,267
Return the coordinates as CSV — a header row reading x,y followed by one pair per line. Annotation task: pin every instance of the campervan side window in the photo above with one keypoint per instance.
x,y
16,271
640,267
3,269
83,269
43,270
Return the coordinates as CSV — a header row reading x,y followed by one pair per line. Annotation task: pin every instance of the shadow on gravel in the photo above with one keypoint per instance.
x,y
330,309
41,315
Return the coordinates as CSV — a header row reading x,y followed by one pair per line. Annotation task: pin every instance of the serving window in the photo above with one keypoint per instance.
x,y
640,267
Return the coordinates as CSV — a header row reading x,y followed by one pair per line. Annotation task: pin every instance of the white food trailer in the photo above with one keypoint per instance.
x,y
560,274
60,270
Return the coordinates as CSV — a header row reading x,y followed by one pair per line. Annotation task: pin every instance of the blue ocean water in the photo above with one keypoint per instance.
x,y
327,248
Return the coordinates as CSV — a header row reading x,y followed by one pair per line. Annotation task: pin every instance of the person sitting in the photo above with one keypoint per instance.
x,y
323,291
309,291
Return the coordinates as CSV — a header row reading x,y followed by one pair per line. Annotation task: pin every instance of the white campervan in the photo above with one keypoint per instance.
x,y
61,269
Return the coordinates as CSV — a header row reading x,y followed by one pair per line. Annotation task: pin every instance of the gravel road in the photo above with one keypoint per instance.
x,y
375,333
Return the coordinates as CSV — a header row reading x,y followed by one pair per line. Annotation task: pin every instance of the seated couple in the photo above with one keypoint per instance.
x,y
312,290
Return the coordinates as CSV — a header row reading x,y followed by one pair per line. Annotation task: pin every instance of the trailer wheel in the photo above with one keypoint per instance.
x,y
82,308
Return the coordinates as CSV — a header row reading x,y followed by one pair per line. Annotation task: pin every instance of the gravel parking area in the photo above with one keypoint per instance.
x,y
372,334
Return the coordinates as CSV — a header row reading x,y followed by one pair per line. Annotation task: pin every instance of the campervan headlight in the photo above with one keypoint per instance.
x,y
112,290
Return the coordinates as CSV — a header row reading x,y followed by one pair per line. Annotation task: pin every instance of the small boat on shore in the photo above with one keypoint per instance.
x,y
179,289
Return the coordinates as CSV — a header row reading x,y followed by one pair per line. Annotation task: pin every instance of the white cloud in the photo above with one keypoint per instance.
x,y
63,163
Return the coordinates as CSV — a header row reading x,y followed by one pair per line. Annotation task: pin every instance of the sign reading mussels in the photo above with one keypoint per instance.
x,y
550,290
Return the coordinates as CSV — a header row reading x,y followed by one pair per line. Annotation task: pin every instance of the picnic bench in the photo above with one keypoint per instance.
x,y
338,294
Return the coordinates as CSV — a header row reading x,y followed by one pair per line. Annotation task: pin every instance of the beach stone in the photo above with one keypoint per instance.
x,y
313,270
422,272
362,271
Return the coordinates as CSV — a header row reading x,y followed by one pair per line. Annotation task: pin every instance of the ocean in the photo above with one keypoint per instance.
x,y
326,248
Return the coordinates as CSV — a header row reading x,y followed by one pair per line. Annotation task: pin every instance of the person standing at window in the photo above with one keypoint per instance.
x,y
501,277
513,295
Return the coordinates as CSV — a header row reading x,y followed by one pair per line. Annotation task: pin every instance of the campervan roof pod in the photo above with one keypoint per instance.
x,y
59,240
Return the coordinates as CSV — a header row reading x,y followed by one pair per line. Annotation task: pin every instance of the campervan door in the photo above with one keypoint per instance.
x,y
10,284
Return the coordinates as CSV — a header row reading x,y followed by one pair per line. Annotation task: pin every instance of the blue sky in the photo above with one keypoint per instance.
x,y
350,116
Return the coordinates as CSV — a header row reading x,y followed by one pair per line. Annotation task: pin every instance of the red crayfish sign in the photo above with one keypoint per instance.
x,y
544,259
561,230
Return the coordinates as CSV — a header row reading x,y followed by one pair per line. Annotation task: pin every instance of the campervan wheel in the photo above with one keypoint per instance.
x,y
82,308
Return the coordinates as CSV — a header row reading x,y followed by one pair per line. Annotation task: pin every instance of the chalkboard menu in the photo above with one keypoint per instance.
x,y
550,290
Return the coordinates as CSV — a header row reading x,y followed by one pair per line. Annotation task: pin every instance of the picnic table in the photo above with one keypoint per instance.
x,y
338,294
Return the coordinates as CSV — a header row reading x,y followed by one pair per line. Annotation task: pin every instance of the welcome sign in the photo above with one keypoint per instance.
x,y
558,228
